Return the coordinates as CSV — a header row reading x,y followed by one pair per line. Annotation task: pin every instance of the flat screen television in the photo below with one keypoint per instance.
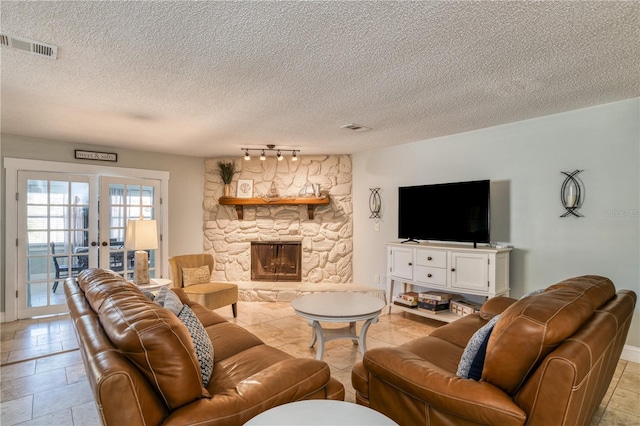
x,y
445,212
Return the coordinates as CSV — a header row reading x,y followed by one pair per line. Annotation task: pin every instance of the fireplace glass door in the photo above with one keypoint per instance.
x,y
276,261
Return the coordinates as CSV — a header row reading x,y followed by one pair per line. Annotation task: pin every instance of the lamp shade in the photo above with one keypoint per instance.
x,y
141,235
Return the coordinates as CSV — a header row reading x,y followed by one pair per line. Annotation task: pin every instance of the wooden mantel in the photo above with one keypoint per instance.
x,y
310,202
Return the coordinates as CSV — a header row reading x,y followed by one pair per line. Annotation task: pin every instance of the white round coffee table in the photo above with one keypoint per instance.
x,y
320,412
338,306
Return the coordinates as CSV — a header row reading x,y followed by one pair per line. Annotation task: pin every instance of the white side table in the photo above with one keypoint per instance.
x,y
338,306
320,412
156,284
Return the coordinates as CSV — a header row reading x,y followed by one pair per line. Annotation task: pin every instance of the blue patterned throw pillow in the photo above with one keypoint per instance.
x,y
201,342
475,350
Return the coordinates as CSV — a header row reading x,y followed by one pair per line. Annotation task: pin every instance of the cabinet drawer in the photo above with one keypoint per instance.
x,y
433,258
433,276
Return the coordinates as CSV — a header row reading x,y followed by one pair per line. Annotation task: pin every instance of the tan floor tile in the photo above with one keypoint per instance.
x,y
23,386
16,410
70,344
630,382
620,368
75,373
7,335
613,417
58,361
625,401
21,369
59,418
86,414
16,344
66,397
34,352
632,367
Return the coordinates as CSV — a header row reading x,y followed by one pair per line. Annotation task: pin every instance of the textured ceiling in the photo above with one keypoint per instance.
x,y
205,78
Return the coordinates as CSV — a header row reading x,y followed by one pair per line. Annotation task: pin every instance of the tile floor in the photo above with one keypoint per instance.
x,y
43,380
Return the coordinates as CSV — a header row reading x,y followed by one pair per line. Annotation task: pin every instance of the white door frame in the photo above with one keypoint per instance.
x,y
13,165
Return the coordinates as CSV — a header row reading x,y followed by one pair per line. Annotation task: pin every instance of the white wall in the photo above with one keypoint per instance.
x,y
185,183
527,158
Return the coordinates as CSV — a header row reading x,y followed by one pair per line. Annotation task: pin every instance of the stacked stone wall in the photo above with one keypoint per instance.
x,y
327,239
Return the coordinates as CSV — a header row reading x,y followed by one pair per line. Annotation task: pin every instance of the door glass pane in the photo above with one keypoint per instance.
x,y
37,295
37,191
59,193
37,243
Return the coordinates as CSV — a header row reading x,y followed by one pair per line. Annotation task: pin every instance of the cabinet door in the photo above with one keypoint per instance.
x,y
469,271
401,263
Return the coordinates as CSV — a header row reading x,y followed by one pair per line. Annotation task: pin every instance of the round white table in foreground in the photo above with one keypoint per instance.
x,y
320,412
338,306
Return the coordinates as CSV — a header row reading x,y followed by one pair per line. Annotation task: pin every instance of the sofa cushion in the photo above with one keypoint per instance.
x,y
528,330
199,275
474,353
201,342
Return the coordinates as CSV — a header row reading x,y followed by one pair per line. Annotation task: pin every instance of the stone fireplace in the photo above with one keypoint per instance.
x,y
276,261
325,243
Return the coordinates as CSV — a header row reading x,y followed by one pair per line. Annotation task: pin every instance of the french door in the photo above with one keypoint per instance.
x,y
70,222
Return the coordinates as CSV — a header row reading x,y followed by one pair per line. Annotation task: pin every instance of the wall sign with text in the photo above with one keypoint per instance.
x,y
94,155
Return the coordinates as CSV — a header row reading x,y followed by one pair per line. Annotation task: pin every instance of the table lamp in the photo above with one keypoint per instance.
x,y
141,235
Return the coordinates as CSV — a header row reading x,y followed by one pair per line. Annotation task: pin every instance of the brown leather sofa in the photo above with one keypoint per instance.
x,y
549,361
143,369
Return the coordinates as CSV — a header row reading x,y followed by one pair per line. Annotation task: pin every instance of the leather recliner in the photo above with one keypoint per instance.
x,y
549,361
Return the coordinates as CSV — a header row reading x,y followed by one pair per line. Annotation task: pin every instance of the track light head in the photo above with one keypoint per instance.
x,y
246,155
279,155
294,157
263,156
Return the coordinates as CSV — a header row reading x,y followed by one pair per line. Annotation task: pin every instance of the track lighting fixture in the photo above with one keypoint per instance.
x,y
270,147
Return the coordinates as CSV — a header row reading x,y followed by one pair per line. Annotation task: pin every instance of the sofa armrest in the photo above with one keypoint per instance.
x,y
478,402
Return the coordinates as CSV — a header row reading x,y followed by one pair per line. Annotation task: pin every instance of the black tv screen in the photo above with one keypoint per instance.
x,y
445,212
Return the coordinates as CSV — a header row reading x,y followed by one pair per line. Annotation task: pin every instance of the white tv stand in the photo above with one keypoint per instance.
x,y
453,268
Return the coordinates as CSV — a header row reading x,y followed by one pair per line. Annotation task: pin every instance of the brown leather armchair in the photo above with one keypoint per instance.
x,y
549,361
212,295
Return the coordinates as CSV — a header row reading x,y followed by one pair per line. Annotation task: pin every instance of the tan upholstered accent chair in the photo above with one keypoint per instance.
x,y
212,295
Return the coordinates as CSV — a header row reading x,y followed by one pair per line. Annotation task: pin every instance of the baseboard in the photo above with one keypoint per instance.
x,y
630,353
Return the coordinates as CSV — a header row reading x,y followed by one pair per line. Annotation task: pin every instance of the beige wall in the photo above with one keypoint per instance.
x,y
185,184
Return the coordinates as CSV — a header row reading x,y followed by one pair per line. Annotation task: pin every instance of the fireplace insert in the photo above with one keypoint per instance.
x,y
276,261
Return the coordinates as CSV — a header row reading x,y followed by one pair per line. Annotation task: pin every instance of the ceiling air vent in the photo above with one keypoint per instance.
x,y
29,46
355,127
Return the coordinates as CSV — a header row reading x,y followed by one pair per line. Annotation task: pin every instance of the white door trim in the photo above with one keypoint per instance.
x,y
13,165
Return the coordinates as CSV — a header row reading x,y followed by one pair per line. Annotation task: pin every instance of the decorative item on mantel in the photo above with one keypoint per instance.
x,y
571,194
375,203
227,170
